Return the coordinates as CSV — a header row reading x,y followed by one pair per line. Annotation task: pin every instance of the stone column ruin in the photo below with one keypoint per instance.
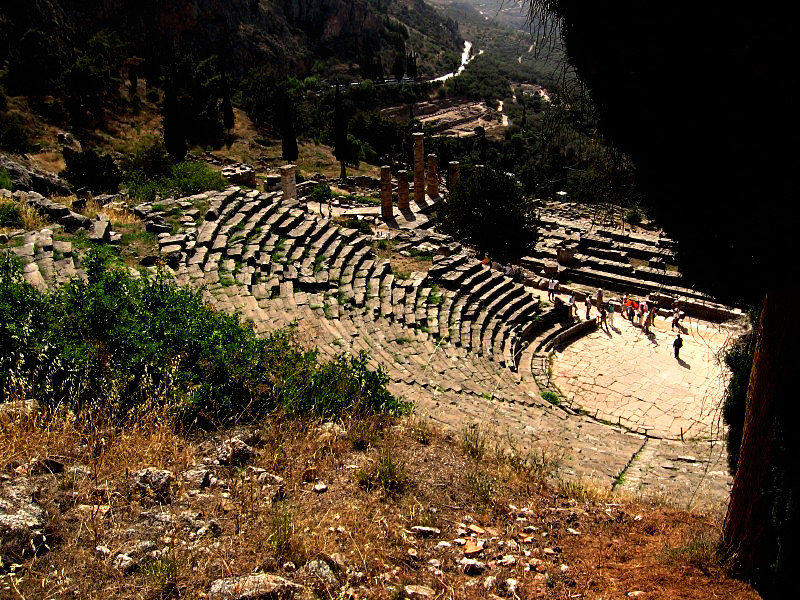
x,y
453,175
386,192
288,182
402,191
419,167
432,179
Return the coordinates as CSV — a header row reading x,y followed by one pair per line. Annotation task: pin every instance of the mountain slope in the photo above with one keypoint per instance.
x,y
292,36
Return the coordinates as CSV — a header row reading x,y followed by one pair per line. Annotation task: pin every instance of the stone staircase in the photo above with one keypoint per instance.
x,y
466,343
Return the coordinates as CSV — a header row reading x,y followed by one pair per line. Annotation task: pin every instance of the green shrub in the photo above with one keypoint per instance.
x,y
633,216
93,170
321,193
5,181
551,397
184,179
9,213
13,135
118,346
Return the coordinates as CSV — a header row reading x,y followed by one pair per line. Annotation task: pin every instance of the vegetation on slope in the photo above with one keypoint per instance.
x,y
117,345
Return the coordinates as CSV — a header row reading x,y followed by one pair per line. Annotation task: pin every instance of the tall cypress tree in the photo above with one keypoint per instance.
x,y
174,134
227,108
340,133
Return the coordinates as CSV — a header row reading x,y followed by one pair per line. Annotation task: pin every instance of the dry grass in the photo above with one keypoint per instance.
x,y
419,475
29,217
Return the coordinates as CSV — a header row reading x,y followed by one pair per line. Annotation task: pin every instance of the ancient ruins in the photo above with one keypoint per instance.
x,y
469,344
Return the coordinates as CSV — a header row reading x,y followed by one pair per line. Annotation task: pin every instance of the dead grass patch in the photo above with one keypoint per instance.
x,y
366,533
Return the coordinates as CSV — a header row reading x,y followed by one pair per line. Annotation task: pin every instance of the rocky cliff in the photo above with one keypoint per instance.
x,y
292,35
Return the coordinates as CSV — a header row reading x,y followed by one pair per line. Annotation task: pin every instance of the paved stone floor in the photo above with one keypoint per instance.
x,y
625,376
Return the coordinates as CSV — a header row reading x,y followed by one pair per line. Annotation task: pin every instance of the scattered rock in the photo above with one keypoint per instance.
x,y
490,582
21,520
321,571
320,488
472,548
509,560
471,566
197,477
263,586
156,484
124,563
635,593
102,552
476,529
511,586
421,531
419,592
234,452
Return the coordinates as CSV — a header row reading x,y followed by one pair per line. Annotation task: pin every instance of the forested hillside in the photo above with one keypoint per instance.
x,y
359,37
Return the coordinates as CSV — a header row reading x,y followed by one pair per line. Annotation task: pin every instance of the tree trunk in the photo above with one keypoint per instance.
x,y
343,172
748,536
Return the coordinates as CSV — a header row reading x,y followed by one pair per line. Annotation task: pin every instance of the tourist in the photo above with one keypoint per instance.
x,y
678,344
676,317
573,308
551,289
509,270
588,306
603,315
651,318
611,309
599,297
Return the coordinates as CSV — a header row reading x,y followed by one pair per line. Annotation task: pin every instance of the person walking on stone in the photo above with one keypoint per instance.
x,y
573,308
678,344
588,306
603,315
551,289
599,298
611,310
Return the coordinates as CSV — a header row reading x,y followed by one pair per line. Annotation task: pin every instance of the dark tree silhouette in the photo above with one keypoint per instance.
x,y
340,147
174,134
719,175
227,108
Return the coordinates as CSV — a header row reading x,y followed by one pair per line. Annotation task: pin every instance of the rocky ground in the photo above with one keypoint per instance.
x,y
292,509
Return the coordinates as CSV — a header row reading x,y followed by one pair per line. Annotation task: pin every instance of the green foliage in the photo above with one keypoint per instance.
x,y
117,346
13,135
92,170
474,443
149,160
487,209
184,179
355,223
36,53
739,359
5,181
321,193
551,397
389,472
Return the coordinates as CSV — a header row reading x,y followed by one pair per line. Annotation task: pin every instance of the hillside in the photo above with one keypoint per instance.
x,y
297,38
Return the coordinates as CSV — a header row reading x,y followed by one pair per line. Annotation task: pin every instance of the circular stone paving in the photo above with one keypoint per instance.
x,y
625,376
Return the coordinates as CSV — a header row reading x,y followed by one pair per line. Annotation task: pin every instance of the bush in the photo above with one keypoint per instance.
x,y
321,193
13,136
92,170
117,346
9,213
184,179
5,181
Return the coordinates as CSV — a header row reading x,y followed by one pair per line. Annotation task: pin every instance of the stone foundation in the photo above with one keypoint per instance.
x,y
402,191
387,210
